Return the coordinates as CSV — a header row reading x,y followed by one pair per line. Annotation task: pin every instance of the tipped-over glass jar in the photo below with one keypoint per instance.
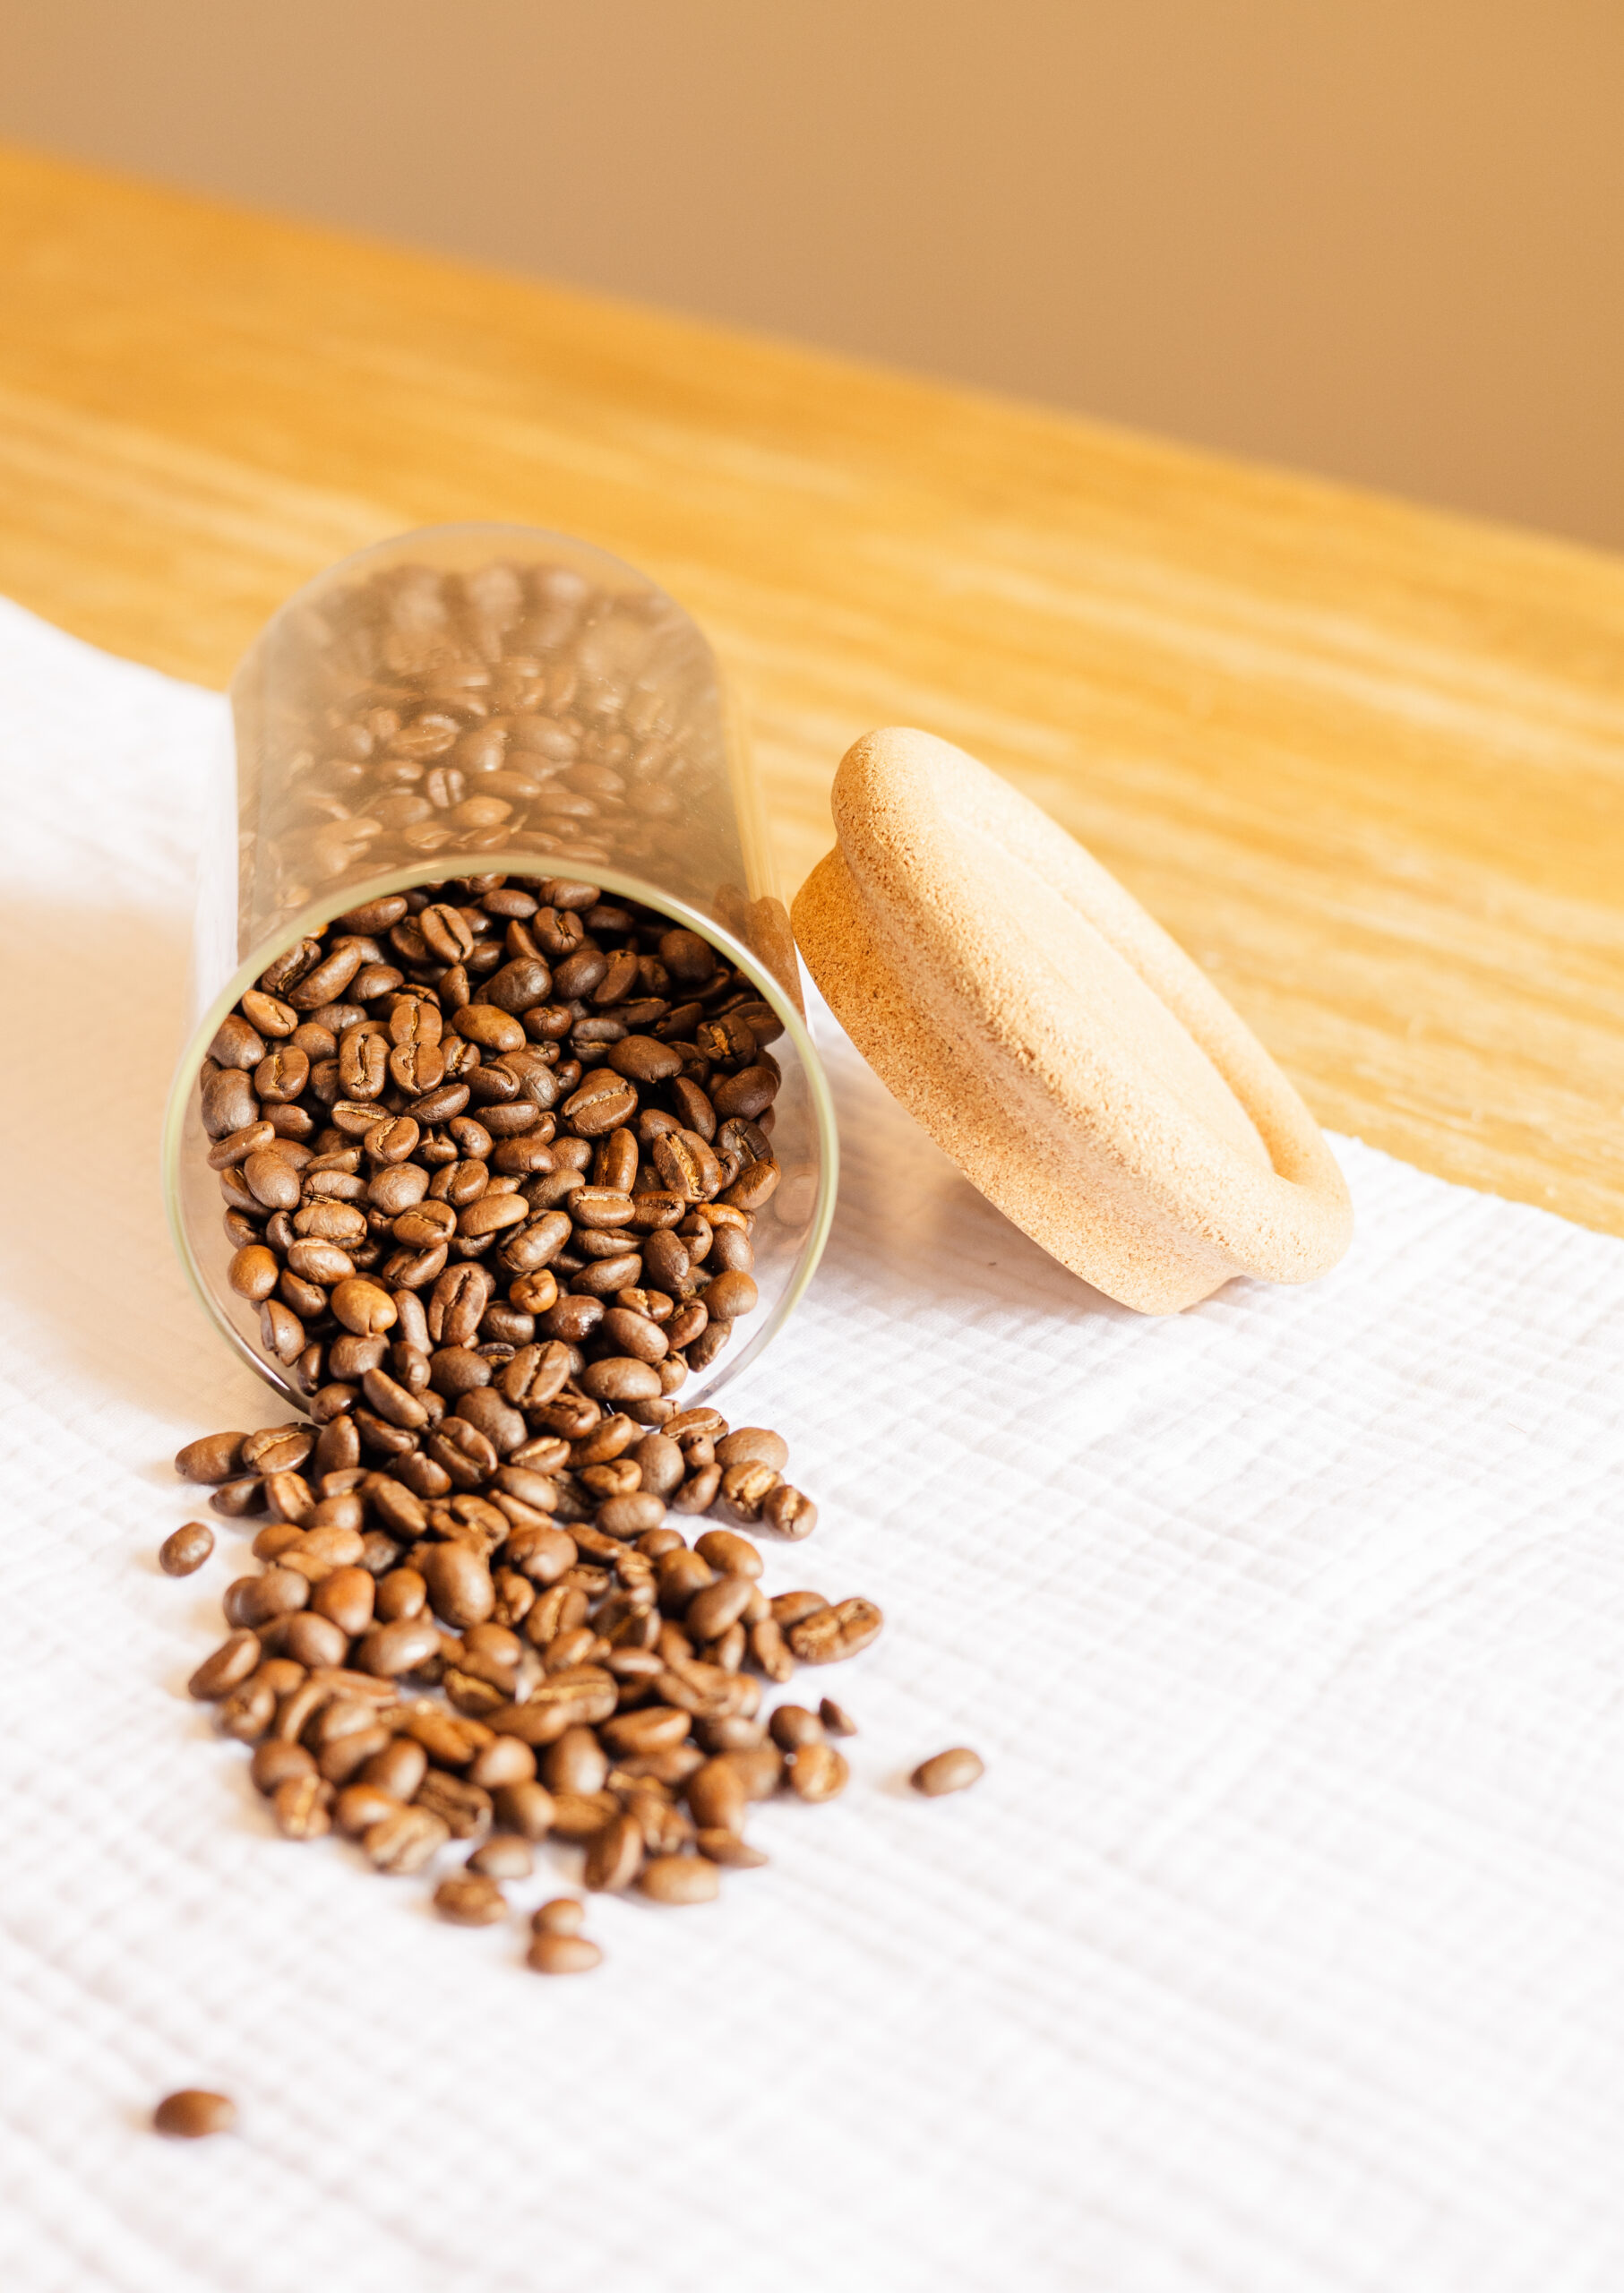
x,y
499,1036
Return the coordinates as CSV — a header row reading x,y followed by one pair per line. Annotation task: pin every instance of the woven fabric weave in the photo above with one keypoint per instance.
x,y
1281,1947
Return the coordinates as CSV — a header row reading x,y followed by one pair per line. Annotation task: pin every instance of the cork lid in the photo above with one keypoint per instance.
x,y
1052,1039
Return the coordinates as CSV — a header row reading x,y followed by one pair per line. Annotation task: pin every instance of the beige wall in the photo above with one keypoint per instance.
x,y
1379,239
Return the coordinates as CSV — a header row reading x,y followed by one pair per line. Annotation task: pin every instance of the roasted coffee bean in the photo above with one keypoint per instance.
x,y
459,1582
832,1634
718,1796
576,1764
631,1515
727,1849
680,1879
346,1598
714,1608
579,1817
787,1511
817,1771
561,1915
464,1807
193,2114
552,1952
398,1768
792,1726
526,1808
213,1459
404,1842
185,1549
303,1807
790,1607
361,1804
615,1855
226,1669
729,1554
248,1711
660,1462
314,1640
506,1760
276,1762
952,1771
698,1493
504,1855
470,1899
653,1727
388,1650
752,1445
762,1766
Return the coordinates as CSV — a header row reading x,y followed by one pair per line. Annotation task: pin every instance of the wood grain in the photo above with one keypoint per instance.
x,y
1365,761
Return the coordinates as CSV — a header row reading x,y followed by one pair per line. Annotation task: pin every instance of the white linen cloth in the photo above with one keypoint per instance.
x,y
1280,1949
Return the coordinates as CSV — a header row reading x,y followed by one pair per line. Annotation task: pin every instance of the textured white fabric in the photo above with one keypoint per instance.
x,y
1282,1948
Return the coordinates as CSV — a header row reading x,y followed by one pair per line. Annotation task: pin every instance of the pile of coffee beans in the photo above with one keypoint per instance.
x,y
494,1136
490,1154
498,1666
414,714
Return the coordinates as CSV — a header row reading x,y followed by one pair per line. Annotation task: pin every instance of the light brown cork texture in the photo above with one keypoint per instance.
x,y
1051,1038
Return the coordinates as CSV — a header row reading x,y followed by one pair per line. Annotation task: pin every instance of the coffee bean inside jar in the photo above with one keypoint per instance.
x,y
487,1143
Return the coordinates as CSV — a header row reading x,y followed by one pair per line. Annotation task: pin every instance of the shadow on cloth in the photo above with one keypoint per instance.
x,y
91,1041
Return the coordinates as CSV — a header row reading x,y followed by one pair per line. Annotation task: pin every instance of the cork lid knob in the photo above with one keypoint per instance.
x,y
1051,1038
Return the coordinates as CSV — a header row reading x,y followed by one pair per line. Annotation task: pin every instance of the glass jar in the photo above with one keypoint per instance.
x,y
479,702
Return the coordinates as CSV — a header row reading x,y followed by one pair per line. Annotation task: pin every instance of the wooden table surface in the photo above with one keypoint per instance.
x,y
1365,761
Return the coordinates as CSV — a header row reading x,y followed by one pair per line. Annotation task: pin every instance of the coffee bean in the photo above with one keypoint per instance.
x,y
753,1445
185,1549
404,1842
651,1728
953,1771
817,1771
762,1768
248,1712
463,1808
792,1726
615,1855
680,1879
505,1761
388,1650
226,1669
787,1511
303,1807
550,1953
314,1640
746,1489
276,1762
769,1651
504,1855
524,1809
459,1581
719,1796
216,1457
832,1634
361,1804
193,2114
398,1769
729,1554
714,1607
470,1899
